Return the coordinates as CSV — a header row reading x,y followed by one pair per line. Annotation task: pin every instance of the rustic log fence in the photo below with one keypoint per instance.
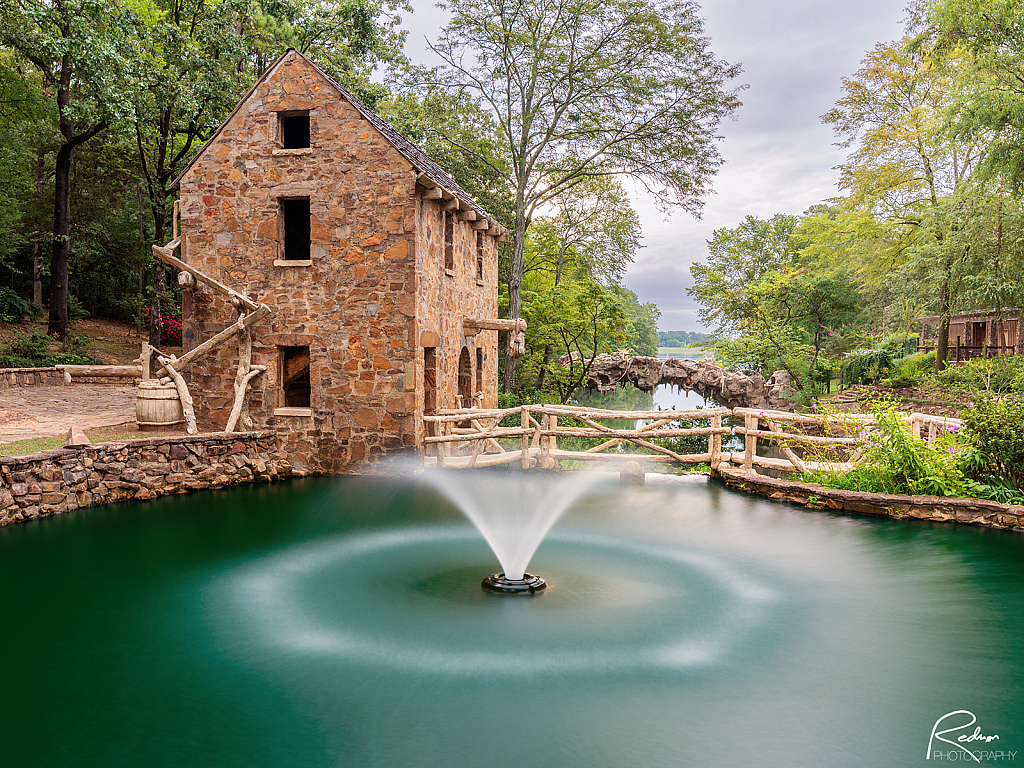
x,y
472,437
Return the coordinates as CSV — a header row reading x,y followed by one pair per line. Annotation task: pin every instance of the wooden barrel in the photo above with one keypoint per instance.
x,y
157,405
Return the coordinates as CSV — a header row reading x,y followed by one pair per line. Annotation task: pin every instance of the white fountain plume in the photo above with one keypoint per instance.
x,y
513,511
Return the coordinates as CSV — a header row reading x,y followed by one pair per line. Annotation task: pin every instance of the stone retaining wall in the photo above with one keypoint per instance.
x,y
937,508
31,377
56,481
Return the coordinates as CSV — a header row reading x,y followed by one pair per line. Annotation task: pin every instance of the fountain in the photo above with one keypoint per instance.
x,y
514,512
340,621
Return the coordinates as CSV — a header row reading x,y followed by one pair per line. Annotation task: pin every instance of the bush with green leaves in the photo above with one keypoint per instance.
x,y
907,371
866,366
898,461
13,307
995,459
1004,373
40,351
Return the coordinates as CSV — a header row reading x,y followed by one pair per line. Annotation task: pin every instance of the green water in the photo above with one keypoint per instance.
x,y
339,622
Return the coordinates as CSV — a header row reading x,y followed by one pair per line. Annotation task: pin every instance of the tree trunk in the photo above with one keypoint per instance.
x,y
942,344
158,284
61,254
515,297
37,275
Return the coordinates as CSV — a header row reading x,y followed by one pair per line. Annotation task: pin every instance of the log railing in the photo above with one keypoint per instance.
x,y
539,429
472,437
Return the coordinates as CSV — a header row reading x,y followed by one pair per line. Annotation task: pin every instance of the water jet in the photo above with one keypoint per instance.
x,y
514,512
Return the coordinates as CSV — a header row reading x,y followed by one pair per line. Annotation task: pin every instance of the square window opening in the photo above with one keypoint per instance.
x,y
295,382
295,214
295,131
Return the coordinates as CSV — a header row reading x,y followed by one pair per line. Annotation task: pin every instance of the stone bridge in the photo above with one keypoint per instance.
x,y
710,381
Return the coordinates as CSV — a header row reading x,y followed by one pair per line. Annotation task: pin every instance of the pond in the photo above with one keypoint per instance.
x,y
340,622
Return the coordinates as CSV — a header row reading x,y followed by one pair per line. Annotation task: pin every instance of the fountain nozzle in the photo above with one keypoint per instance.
x,y
498,584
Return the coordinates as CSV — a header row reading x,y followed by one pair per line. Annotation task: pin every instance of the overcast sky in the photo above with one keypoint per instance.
x,y
779,157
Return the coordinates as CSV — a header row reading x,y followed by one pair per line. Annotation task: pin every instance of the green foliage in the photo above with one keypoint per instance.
x,y
995,426
897,461
681,338
995,374
866,366
13,307
41,351
909,370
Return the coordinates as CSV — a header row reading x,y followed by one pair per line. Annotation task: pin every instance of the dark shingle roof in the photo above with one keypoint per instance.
x,y
416,156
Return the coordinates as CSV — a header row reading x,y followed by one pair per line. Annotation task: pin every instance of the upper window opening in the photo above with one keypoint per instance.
x,y
449,240
295,212
480,256
295,131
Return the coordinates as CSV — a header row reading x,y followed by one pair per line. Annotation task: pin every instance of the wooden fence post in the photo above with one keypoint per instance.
x,y
716,443
750,424
524,422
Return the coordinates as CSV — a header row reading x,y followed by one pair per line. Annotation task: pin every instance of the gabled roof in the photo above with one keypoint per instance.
x,y
430,173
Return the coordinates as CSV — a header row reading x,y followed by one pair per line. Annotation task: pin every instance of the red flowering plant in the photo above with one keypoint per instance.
x,y
170,321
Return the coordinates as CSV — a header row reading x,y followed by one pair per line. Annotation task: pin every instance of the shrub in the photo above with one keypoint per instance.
x,y
995,426
39,351
908,371
866,366
898,461
13,307
1004,373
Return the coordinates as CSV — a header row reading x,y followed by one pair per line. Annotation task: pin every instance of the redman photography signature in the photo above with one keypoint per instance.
x,y
968,744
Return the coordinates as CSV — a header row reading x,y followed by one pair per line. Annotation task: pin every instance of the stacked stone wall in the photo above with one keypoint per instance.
x,y
52,482
446,297
991,514
31,377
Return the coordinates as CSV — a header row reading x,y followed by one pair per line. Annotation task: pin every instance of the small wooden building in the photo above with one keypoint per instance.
x,y
374,263
975,334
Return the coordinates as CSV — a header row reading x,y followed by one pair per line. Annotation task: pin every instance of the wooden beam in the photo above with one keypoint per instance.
x,y
217,340
130,371
432,194
451,205
494,230
164,254
480,225
469,215
478,324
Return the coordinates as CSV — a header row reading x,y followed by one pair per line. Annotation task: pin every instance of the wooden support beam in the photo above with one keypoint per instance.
x,y
481,225
451,205
472,326
164,254
469,215
217,340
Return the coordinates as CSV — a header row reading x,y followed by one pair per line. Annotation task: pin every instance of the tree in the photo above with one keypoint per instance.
x,y
904,161
988,102
593,226
580,88
84,53
737,258
773,308
577,319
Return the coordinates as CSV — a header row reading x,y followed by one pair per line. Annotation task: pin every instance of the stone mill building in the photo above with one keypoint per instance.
x,y
369,256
